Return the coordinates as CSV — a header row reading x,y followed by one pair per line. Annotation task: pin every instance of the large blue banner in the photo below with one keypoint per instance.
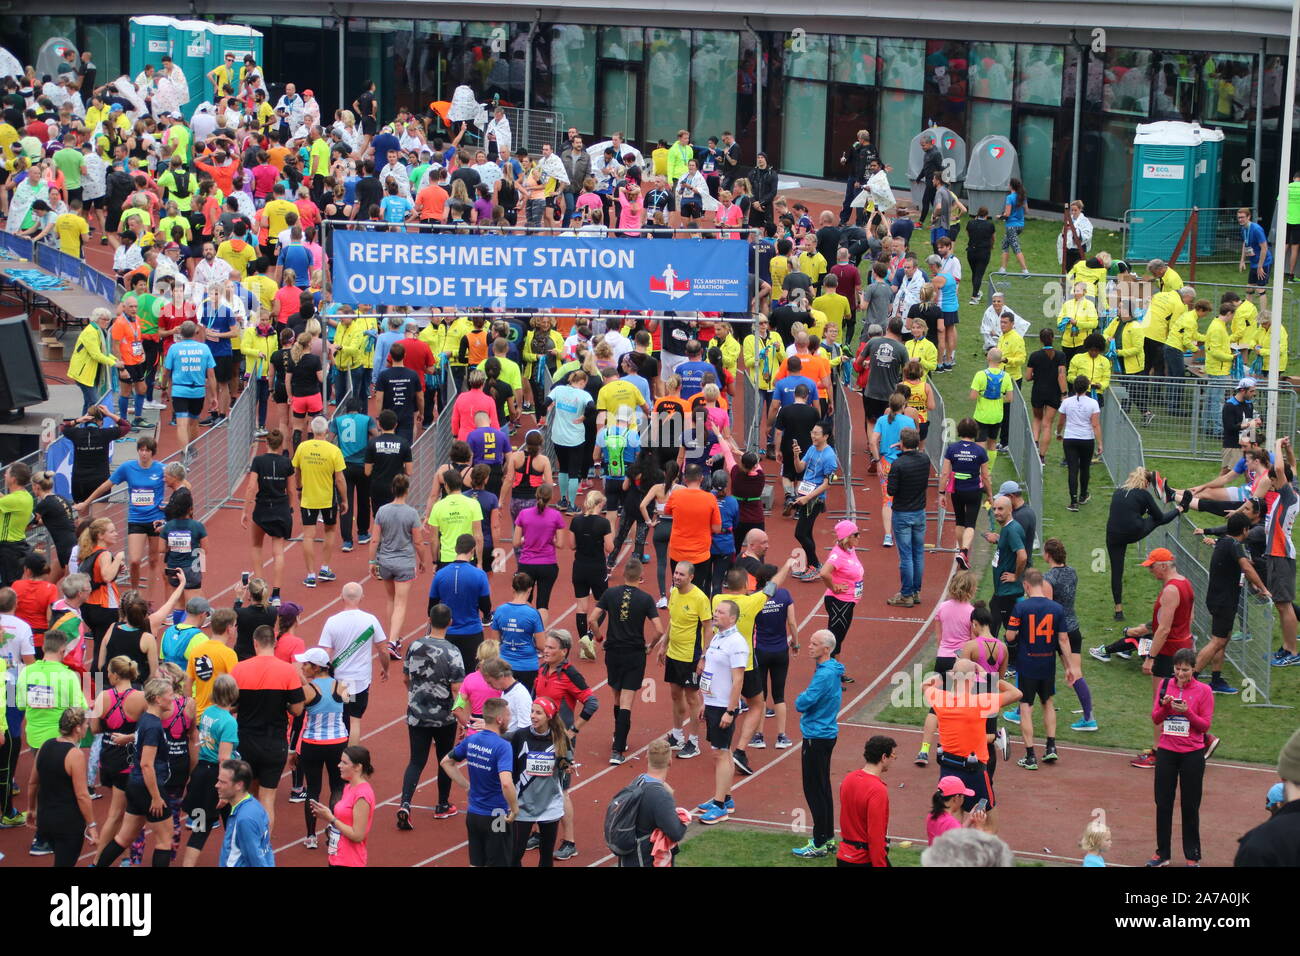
x,y
544,272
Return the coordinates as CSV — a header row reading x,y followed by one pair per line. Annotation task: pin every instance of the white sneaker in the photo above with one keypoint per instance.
x,y
155,405
661,603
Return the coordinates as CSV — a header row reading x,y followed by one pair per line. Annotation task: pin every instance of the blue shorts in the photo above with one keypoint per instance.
x,y
951,318
937,234
974,776
1253,279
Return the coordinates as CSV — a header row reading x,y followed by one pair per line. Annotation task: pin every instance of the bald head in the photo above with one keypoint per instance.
x,y
823,639
756,542
353,593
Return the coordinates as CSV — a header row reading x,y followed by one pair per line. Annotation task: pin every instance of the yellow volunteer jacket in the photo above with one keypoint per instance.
x,y
1218,348
434,335
1244,323
763,359
1184,334
1014,355
1263,342
257,351
529,356
1095,278
351,342
1082,316
1096,369
1171,281
88,356
1165,307
1131,345
924,351
730,349
368,324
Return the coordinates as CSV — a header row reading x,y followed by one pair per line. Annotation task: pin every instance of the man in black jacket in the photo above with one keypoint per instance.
x,y
906,486
856,158
931,163
656,810
1277,841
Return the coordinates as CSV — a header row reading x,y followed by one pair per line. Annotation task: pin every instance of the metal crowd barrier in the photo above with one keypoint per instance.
x,y
1024,453
433,447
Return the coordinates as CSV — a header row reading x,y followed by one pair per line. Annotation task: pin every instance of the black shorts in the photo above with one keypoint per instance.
x,y
875,407
692,209
132,373
943,665
543,576
309,516
988,432
280,395
966,507
276,524
356,705
1293,233
951,318
224,369
1039,403
138,802
681,673
193,578
1223,619
752,686
1076,641
267,756
974,776
200,803
187,407
625,669
142,527
590,577
99,202
490,842
788,471
719,737
1036,688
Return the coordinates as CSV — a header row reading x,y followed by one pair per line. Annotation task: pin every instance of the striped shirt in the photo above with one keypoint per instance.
x,y
324,720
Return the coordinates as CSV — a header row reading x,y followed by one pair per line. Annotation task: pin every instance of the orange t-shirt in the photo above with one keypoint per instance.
x,y
963,720
128,341
275,156
694,512
816,367
431,203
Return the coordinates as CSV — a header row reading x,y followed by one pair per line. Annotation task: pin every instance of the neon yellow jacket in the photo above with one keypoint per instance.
x,y
764,360
1184,333
351,342
1165,306
1082,315
1096,369
1014,355
678,157
257,351
925,352
1262,343
1095,279
1218,348
1244,323
88,356
1131,346
730,349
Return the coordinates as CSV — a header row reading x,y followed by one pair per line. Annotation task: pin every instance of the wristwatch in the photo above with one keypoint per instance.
x,y
734,713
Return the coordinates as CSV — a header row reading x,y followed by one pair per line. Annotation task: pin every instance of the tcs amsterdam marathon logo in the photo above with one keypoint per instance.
x,y
669,283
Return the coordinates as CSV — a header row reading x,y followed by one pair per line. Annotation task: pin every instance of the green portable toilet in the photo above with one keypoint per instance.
x,y
1165,155
1208,182
190,43
151,40
231,38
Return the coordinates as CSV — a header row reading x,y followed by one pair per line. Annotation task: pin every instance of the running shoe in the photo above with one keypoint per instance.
x,y
139,422
309,580
298,795
846,679
445,811
1084,499
1010,675
156,406
757,742
1025,272
363,538
567,851
783,742
788,508
1124,655
975,300
1003,743
1144,761
1158,861
1221,686
394,650
1011,716
769,713
714,814
742,762
564,505
534,841
404,817
347,547
901,600
1099,653
528,406
310,842
1119,615
1050,756
1027,763
1211,745
1072,506
810,851
1085,726
811,575
326,573
259,433
690,749
674,742
661,603
889,541
922,758
616,759
1148,418
16,819
1195,863
963,560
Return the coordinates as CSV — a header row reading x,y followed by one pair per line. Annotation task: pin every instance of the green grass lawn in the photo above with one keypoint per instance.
x,y
743,846
1121,694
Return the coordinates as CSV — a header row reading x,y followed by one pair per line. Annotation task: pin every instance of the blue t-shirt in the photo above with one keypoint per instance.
x,y
1254,237
1240,467
183,537
488,756
189,361
965,457
724,542
820,465
783,389
149,733
1017,217
353,430
1037,622
1092,859
350,189
144,489
489,446
298,258
890,434
221,320
770,623
515,625
395,208
215,726
570,403
459,586
692,376
384,143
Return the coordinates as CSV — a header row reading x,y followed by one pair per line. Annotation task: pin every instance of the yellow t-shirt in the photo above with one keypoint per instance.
x,y
779,268
813,266
8,137
238,259
72,230
618,394
318,461
165,225
275,211
215,659
686,612
836,308
453,515
264,288
750,605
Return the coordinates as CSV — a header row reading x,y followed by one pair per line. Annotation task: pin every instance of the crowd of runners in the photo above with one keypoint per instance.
x,y
654,503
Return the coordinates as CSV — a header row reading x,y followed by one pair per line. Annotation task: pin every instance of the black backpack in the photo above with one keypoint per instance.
x,y
620,818
182,180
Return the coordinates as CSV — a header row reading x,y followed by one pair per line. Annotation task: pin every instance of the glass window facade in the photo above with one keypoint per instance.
x,y
853,60
1038,74
669,79
806,55
714,62
803,128
900,120
902,63
573,66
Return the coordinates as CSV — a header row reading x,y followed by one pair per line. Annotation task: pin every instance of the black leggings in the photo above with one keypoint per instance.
x,y
772,666
443,739
67,846
546,833
803,532
1117,549
978,262
1179,774
358,490
663,531
841,616
316,759
543,576
1078,459
626,519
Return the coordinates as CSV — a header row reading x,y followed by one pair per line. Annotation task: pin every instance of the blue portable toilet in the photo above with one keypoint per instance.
x,y
231,38
151,40
1209,180
190,43
1165,156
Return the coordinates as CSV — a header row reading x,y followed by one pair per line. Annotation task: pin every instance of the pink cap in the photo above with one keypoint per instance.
x,y
952,787
845,528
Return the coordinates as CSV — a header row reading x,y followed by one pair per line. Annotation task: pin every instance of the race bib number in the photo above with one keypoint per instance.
x,y
706,682
40,696
708,166
539,764
1176,726
142,497
332,836
806,488
179,541
1144,647
857,590
137,349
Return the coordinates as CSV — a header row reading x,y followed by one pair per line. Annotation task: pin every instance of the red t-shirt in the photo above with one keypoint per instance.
x,y
289,645
864,818
1180,631
849,279
419,357
34,599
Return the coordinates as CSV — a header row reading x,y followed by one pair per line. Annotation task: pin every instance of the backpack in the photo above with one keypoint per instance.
x,y
182,180
615,444
620,818
993,384
176,640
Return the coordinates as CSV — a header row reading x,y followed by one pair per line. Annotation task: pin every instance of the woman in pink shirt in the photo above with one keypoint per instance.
x,y
945,809
952,631
1183,710
350,821
536,540
587,200
475,690
631,210
727,214
842,572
